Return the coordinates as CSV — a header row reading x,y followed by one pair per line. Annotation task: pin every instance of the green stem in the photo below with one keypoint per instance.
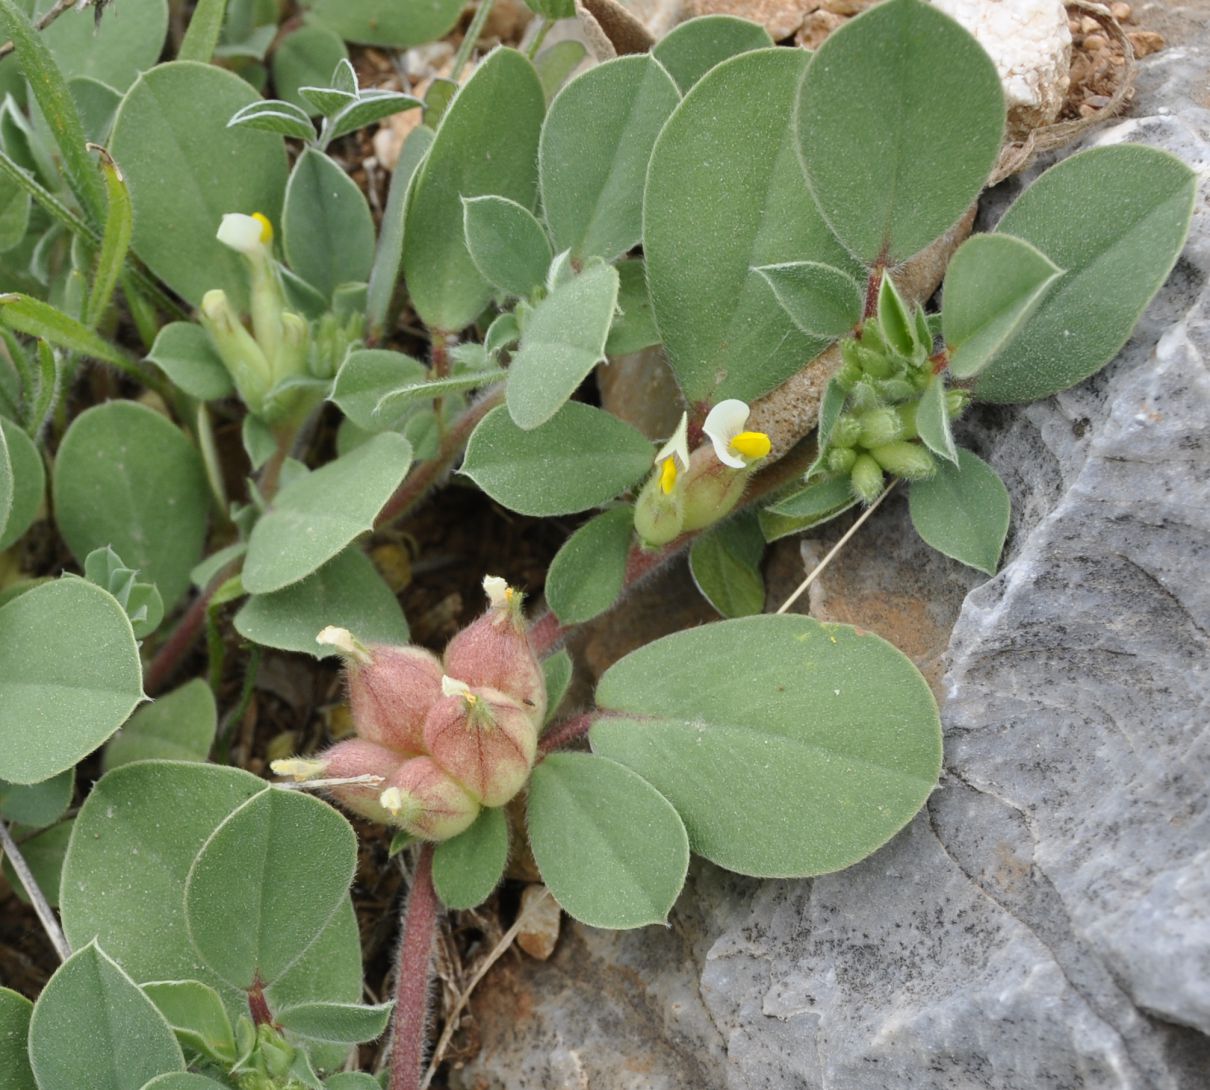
x,y
539,38
470,38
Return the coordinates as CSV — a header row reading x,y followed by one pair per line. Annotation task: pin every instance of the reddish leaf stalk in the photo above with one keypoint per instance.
x,y
258,1006
413,977
567,732
177,645
873,285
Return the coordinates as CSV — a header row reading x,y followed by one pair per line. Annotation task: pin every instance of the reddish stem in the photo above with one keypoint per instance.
x,y
412,977
426,474
872,287
177,646
567,732
258,1006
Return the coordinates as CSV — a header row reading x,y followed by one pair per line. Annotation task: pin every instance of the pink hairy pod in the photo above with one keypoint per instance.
x,y
425,801
494,652
391,689
484,739
353,757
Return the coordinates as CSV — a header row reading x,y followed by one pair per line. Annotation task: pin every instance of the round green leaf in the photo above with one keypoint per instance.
x,y
507,244
183,351
690,50
487,144
92,1027
69,676
725,564
281,865
306,58
889,96
343,1023
587,573
37,804
183,1080
327,230
347,591
186,168
820,300
596,143
610,847
963,511
370,22
1114,263
125,41
315,517
580,458
366,377
26,482
127,477
725,195
196,1014
469,866
352,1080
992,285
789,747
15,1010
178,726
563,340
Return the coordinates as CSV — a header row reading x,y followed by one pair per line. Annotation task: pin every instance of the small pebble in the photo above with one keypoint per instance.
x,y
1121,12
541,931
1145,42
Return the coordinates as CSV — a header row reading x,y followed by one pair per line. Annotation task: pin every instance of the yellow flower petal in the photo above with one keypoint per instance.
x,y
752,444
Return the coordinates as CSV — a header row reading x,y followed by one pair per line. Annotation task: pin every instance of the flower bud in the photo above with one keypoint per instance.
x,y
956,402
711,489
484,740
865,395
896,389
659,516
422,799
907,418
879,426
494,652
352,757
841,459
866,479
845,432
391,689
911,461
241,355
849,374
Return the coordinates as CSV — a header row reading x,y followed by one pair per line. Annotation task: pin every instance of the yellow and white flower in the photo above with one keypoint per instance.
x,y
673,457
733,446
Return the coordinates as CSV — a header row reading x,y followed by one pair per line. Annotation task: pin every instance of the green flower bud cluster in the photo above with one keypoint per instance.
x,y
267,1060
883,375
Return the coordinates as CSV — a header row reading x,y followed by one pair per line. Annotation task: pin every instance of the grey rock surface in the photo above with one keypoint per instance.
x,y
1045,923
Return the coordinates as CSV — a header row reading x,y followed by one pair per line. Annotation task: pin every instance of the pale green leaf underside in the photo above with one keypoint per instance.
x,y
789,747
365,377
340,1023
820,300
611,849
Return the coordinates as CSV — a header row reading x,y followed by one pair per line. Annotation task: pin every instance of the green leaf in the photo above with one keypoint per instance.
x,y
587,573
196,1014
22,464
115,242
120,466
314,518
366,377
580,458
38,319
384,276
202,34
186,169
15,207
992,285
49,87
487,144
342,1023
507,244
347,591
817,499
92,1027
557,671
610,847
561,342
725,564
370,22
276,116
69,677
185,354
595,147
179,726
1115,263
126,40
37,805
15,1010
183,1080
558,62
891,91
328,100
124,879
281,864
963,512
327,229
933,421
831,405
371,106
305,58
820,300
726,195
44,852
469,866
141,601
633,326
790,748
398,404
690,50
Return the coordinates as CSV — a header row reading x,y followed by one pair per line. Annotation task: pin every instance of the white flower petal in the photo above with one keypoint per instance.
x,y
344,641
241,233
451,686
723,423
496,590
678,445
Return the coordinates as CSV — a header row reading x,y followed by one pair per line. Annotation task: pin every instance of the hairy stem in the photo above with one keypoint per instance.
x,y
46,915
472,36
42,23
567,732
412,977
